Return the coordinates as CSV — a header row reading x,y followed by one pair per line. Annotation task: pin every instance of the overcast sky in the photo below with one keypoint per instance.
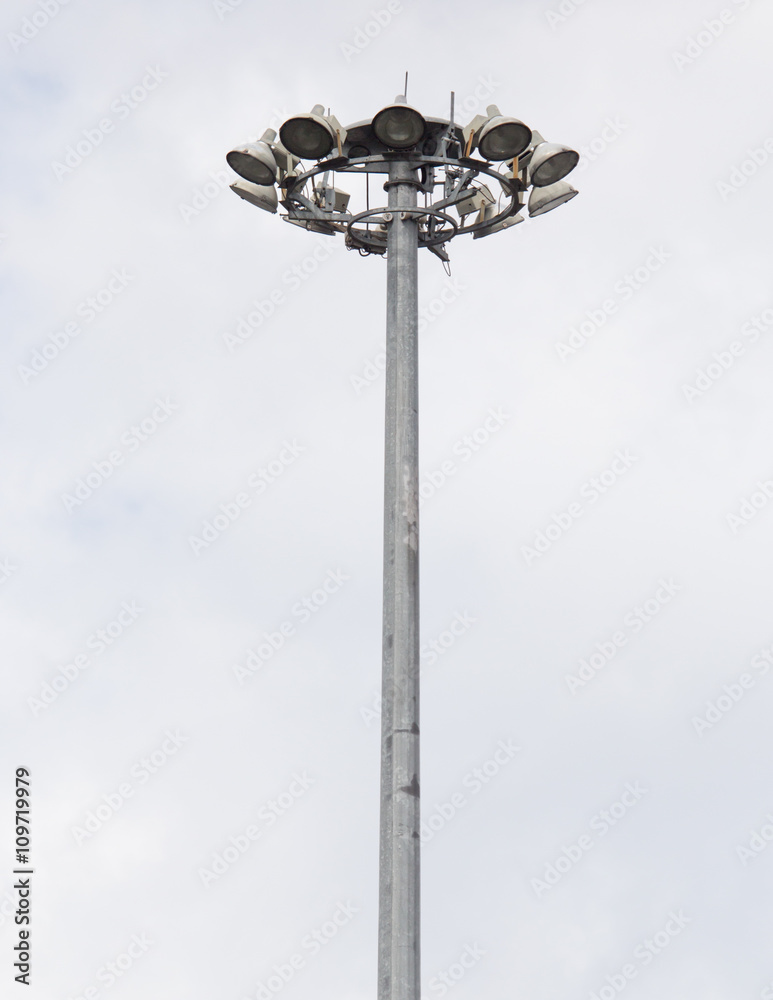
x,y
192,526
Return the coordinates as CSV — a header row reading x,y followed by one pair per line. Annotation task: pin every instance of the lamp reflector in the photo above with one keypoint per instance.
x,y
546,198
399,126
255,161
550,162
261,195
309,137
503,138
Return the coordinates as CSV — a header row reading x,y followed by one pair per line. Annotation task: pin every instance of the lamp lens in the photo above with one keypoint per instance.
x,y
545,199
555,167
248,166
306,138
505,141
399,127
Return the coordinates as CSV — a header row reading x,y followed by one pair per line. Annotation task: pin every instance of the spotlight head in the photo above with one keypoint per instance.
x,y
262,195
313,226
399,126
502,138
551,162
255,161
311,136
546,198
497,227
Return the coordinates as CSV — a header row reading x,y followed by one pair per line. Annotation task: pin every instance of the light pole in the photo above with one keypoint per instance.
x,y
419,156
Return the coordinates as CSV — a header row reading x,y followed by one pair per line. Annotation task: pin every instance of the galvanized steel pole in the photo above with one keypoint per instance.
x,y
399,912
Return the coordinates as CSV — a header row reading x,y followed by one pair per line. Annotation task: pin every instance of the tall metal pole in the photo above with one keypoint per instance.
x,y
399,912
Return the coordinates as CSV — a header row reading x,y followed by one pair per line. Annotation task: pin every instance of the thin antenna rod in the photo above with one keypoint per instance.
x,y
452,107
405,89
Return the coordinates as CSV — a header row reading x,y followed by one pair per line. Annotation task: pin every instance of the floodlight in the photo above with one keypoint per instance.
x,y
313,225
399,126
546,198
502,138
312,136
262,195
550,162
497,227
489,212
254,161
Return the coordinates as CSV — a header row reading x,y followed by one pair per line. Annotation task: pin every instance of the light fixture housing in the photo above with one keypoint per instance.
x,y
488,212
313,226
333,199
497,227
502,138
473,199
495,136
255,161
311,136
261,195
547,197
551,162
399,126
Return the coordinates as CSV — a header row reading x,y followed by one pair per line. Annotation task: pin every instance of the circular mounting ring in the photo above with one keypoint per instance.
x,y
511,187
363,235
